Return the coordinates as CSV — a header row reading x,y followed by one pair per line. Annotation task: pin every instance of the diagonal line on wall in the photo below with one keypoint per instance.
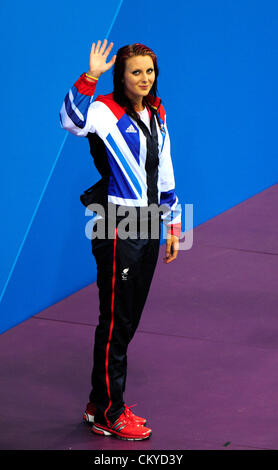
x,y
32,219
47,181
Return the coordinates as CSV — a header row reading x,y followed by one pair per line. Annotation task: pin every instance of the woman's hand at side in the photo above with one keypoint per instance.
x,y
172,248
98,56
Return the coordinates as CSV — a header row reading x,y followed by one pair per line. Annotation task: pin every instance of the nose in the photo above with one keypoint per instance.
x,y
145,78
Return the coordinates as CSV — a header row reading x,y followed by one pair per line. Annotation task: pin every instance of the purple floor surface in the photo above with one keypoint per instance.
x,y
209,336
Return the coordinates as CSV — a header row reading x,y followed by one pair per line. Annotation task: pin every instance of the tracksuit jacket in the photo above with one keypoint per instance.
x,y
126,147
140,172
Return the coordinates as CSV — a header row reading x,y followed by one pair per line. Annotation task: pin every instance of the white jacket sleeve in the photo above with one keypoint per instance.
x,y
168,197
76,112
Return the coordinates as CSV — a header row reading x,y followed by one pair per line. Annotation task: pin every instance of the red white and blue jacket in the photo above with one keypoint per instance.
x,y
141,170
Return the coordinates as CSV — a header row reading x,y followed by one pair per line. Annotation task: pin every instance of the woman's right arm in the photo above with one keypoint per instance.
x,y
75,110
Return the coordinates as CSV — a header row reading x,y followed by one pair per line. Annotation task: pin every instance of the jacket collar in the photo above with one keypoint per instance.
x,y
153,102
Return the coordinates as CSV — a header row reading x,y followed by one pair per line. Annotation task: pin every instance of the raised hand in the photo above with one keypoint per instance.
x,y
98,56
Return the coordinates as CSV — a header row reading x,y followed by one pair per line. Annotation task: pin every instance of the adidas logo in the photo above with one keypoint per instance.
x,y
131,129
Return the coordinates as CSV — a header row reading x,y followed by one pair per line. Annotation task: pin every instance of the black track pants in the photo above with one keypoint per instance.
x,y
125,270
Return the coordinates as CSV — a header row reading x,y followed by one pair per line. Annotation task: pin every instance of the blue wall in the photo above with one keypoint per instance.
x,y
218,82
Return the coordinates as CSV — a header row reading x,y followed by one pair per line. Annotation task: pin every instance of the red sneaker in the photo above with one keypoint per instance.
x,y
89,414
123,428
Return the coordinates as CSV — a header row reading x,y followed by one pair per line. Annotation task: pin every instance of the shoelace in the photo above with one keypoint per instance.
x,y
128,410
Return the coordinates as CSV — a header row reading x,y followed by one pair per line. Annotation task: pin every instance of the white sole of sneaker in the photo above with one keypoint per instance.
x,y
88,418
104,432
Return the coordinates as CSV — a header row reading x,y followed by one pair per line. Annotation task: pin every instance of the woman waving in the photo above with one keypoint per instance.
x,y
130,144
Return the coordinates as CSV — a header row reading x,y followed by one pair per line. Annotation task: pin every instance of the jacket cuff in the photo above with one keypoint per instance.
x,y
85,86
174,229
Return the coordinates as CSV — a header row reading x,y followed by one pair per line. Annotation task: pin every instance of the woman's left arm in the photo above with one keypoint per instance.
x,y
169,199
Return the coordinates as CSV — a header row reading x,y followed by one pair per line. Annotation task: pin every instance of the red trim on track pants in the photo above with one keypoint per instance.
x,y
125,269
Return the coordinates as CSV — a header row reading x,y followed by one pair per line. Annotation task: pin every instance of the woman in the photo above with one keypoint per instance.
x,y
130,144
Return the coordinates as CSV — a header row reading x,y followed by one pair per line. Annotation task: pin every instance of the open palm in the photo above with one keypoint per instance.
x,y
98,56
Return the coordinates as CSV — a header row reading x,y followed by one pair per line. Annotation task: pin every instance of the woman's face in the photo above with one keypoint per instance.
x,y
139,76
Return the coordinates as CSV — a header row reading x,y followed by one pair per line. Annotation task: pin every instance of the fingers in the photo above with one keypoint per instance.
x,y
172,248
93,48
98,49
98,57
168,249
106,53
170,258
103,46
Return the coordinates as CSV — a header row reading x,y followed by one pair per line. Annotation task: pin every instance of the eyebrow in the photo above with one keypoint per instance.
x,y
135,70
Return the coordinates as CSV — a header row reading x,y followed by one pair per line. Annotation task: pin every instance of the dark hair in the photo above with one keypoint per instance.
x,y
123,54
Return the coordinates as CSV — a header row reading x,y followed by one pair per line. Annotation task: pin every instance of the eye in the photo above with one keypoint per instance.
x,y
135,72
